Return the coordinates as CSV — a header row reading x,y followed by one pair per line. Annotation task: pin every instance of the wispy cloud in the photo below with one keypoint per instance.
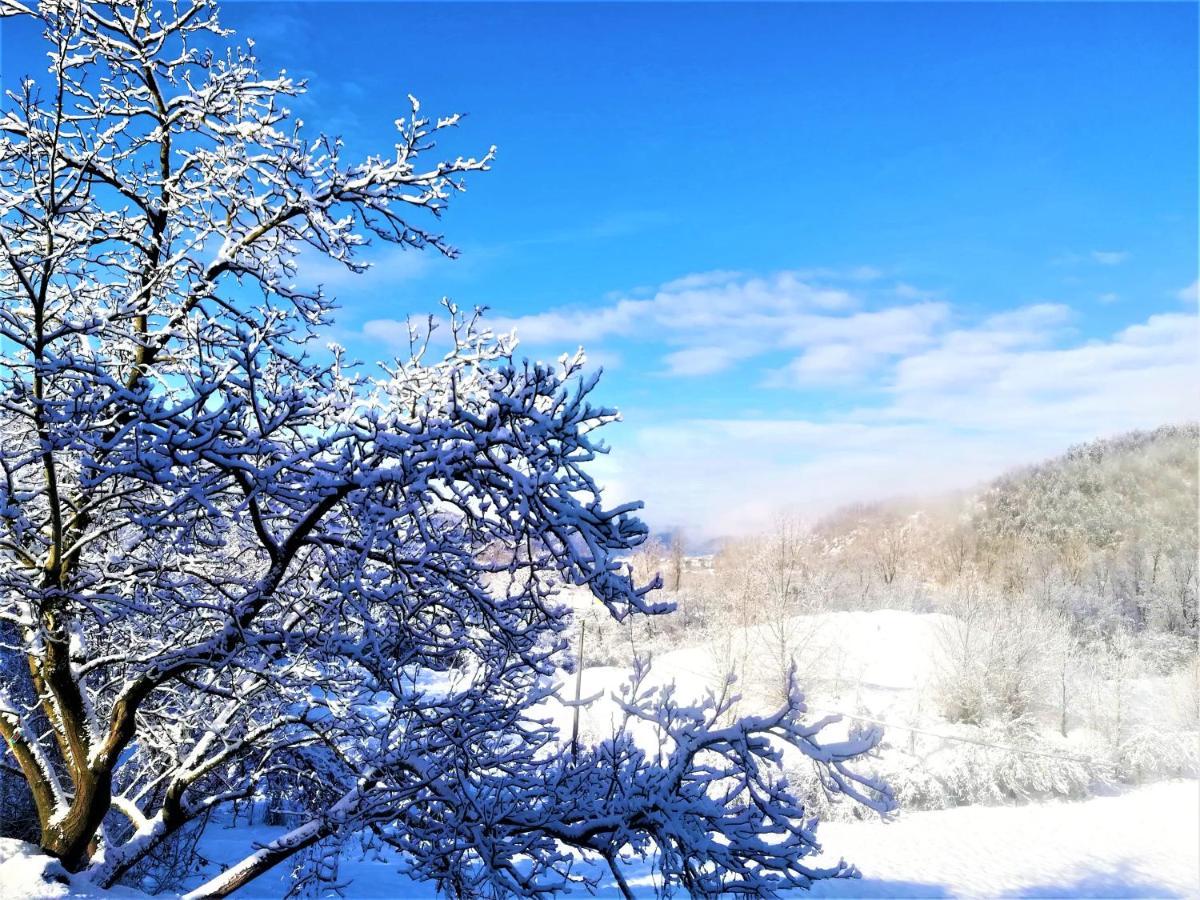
x,y
1096,257
688,310
706,360
712,320
974,355
705,322
940,396
1190,294
1142,375
840,348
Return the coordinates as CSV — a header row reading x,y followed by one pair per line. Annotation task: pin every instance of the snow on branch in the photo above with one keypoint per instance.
x,y
233,568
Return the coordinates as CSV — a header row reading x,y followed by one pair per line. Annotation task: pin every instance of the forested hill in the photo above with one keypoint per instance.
x,y
1107,533
1138,486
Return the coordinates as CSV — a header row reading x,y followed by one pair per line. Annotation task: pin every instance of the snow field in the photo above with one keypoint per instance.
x,y
1142,843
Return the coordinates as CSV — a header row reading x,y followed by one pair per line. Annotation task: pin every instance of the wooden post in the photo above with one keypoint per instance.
x,y
578,692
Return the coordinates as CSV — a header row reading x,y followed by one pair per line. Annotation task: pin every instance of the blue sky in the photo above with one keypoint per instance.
x,y
825,252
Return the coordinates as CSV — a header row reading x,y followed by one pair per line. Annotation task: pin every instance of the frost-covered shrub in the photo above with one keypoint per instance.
x,y
1150,754
828,805
973,765
997,655
981,774
916,787
1185,693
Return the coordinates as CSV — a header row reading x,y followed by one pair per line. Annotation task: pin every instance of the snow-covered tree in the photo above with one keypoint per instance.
x,y
230,560
677,560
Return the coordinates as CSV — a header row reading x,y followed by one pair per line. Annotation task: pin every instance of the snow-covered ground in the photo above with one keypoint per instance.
x,y
871,662
1142,843
887,667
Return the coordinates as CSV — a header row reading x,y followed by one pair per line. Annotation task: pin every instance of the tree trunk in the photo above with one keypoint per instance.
x,y
622,884
69,837
268,857
1063,719
285,846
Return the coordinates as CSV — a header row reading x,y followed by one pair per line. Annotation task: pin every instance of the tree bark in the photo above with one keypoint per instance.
x,y
268,857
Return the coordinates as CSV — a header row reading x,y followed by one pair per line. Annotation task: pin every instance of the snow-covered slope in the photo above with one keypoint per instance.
x,y
847,662
1143,843
886,667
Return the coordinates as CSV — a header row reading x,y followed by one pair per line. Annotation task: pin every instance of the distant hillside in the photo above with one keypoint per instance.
x,y
1101,494
1106,532
1139,486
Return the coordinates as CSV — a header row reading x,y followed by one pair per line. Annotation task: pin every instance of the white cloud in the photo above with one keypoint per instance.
x,y
846,348
393,332
696,306
971,355
703,360
604,359
957,398
1110,257
714,278
1190,294
710,321
1143,376
727,477
888,331
829,362
864,273
910,292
